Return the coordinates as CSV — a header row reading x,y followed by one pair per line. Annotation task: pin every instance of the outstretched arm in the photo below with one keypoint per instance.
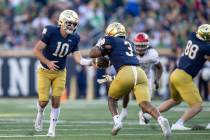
x,y
80,60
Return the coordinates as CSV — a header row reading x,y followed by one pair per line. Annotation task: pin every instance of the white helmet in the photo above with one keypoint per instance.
x,y
68,18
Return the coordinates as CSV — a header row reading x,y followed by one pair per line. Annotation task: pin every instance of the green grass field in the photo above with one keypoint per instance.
x,y
90,120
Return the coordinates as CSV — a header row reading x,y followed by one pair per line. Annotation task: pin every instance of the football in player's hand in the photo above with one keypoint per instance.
x,y
101,62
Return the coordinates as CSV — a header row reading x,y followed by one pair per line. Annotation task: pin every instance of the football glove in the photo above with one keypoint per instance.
x,y
106,78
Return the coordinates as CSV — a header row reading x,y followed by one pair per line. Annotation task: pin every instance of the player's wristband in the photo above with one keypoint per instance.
x,y
85,62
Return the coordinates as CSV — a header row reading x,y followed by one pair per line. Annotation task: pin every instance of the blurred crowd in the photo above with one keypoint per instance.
x,y
167,22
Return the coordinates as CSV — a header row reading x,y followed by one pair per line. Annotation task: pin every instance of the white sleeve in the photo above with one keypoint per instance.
x,y
154,56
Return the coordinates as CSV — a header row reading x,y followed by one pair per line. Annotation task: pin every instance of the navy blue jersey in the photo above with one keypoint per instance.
x,y
121,52
57,47
193,58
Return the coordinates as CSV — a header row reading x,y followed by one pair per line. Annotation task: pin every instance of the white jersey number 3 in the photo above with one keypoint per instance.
x,y
191,50
130,52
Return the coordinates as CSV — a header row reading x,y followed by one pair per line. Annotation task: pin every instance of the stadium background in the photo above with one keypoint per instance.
x,y
21,22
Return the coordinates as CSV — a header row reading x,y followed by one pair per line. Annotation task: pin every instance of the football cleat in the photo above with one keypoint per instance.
x,y
177,126
51,131
144,118
208,126
117,125
39,122
116,128
164,124
123,114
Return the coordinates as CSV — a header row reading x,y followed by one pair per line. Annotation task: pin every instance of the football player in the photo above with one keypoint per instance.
x,y
182,87
148,58
52,50
129,77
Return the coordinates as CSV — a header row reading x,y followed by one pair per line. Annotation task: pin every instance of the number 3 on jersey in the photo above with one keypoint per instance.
x,y
191,50
130,52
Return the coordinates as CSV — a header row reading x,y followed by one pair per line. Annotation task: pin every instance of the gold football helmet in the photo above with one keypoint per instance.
x,y
115,29
204,32
68,21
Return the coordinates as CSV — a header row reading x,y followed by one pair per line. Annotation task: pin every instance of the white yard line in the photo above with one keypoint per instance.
x,y
82,135
75,129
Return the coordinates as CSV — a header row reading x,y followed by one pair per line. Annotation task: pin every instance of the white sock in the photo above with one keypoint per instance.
x,y
180,122
159,118
124,110
116,119
39,108
54,115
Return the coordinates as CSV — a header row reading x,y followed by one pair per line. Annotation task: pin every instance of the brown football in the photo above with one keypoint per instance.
x,y
101,62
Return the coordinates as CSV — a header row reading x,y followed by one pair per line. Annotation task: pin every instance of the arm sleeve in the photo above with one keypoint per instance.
x,y
76,46
207,50
154,56
46,35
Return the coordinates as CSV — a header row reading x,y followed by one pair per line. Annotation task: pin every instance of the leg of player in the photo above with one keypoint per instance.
x,y
124,111
166,105
43,94
188,114
40,115
187,92
112,103
144,118
54,115
163,122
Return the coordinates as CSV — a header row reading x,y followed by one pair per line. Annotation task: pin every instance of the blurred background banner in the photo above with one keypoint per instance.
x,y
18,76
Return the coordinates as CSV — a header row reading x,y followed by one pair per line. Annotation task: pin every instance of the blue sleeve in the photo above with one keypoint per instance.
x,y
46,35
108,40
207,50
76,46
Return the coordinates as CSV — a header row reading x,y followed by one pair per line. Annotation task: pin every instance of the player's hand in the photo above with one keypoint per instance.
x,y
207,57
156,83
106,78
94,65
52,66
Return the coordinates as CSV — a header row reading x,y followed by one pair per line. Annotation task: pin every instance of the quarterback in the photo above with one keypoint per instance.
x,y
52,50
182,87
129,77
148,59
